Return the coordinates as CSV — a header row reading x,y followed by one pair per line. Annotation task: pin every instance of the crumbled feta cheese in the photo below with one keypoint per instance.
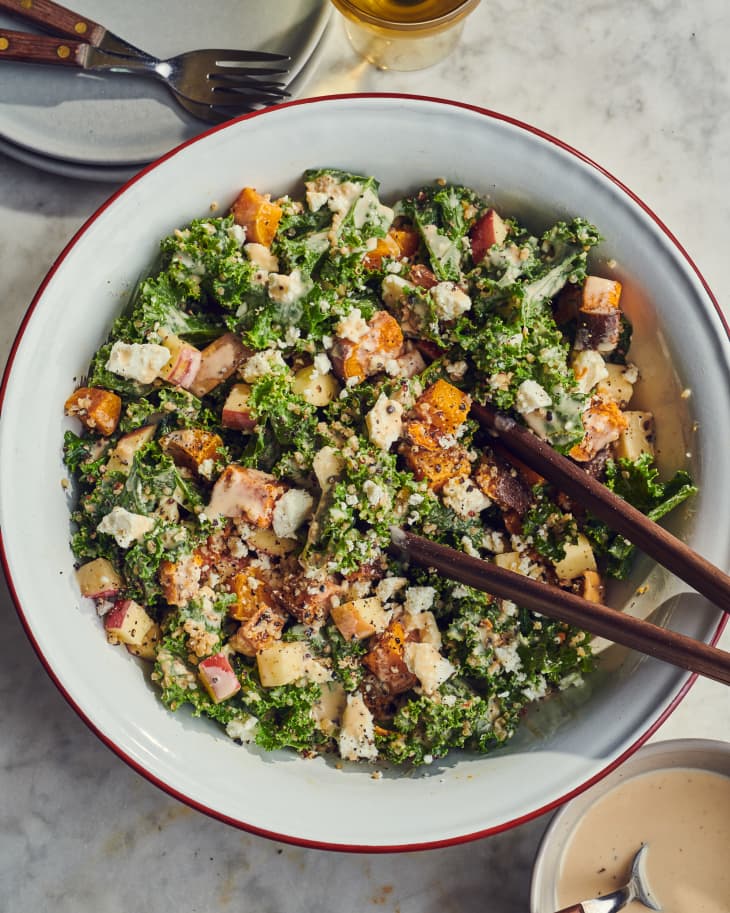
x,y
530,397
394,289
357,734
287,289
464,497
261,364
243,730
449,301
375,493
126,527
353,327
290,511
326,189
384,422
137,361
322,365
237,233
205,469
419,598
262,257
389,586
508,657
428,665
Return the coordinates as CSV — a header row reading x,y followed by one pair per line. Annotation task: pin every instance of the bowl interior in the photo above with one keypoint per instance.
x,y
565,742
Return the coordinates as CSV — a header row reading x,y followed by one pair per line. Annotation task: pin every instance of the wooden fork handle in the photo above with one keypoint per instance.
x,y
39,49
56,18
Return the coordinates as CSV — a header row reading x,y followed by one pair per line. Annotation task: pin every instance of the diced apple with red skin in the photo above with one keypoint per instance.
x,y
243,492
184,363
148,648
218,677
128,622
488,230
99,579
218,362
121,457
236,412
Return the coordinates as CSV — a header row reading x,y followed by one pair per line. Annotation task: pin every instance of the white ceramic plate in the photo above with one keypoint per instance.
x,y
697,754
117,121
565,743
117,174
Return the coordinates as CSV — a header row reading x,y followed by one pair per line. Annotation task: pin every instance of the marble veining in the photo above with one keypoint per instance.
x,y
641,88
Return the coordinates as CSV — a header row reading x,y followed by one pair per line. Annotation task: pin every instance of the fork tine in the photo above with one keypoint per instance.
x,y
232,57
231,74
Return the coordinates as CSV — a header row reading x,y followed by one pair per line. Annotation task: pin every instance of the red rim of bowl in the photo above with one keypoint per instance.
x,y
165,787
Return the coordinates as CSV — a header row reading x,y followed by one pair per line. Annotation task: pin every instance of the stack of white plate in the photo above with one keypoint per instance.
x,y
107,127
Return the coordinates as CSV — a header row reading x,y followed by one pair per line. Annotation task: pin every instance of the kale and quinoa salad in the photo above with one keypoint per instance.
x,y
293,379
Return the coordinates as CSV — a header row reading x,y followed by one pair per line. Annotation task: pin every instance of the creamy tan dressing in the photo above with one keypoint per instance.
x,y
684,816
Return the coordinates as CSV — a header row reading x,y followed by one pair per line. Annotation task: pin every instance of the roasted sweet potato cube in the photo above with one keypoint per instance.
x,y
180,580
407,240
603,423
309,600
444,406
252,593
386,247
259,631
420,434
502,485
96,408
243,492
599,317
388,336
385,659
258,215
436,467
190,447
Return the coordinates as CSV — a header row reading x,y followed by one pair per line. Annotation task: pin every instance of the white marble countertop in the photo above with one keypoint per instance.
x,y
644,89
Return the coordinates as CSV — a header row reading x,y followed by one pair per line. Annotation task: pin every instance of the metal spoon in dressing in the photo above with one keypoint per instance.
x,y
637,889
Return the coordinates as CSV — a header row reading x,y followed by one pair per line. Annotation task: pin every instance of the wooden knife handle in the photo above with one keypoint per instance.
x,y
39,49
56,18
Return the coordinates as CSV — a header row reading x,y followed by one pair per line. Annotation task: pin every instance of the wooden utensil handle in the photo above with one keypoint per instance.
x,y
56,18
39,49
578,908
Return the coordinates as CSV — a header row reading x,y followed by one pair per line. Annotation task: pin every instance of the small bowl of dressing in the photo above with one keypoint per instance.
x,y
673,795
404,34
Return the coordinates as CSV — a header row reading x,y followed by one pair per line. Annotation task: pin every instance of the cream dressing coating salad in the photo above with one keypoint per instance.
x,y
293,379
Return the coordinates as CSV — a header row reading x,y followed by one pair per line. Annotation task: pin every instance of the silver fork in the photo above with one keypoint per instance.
x,y
218,77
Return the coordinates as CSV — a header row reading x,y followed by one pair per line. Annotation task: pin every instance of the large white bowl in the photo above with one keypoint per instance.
x,y
566,743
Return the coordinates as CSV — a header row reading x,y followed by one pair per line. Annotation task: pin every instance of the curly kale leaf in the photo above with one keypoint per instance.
x,y
638,483
440,215
301,240
546,527
427,728
284,713
154,479
159,301
285,424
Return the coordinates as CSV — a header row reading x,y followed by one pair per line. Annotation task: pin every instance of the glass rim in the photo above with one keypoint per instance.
x,y
355,12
